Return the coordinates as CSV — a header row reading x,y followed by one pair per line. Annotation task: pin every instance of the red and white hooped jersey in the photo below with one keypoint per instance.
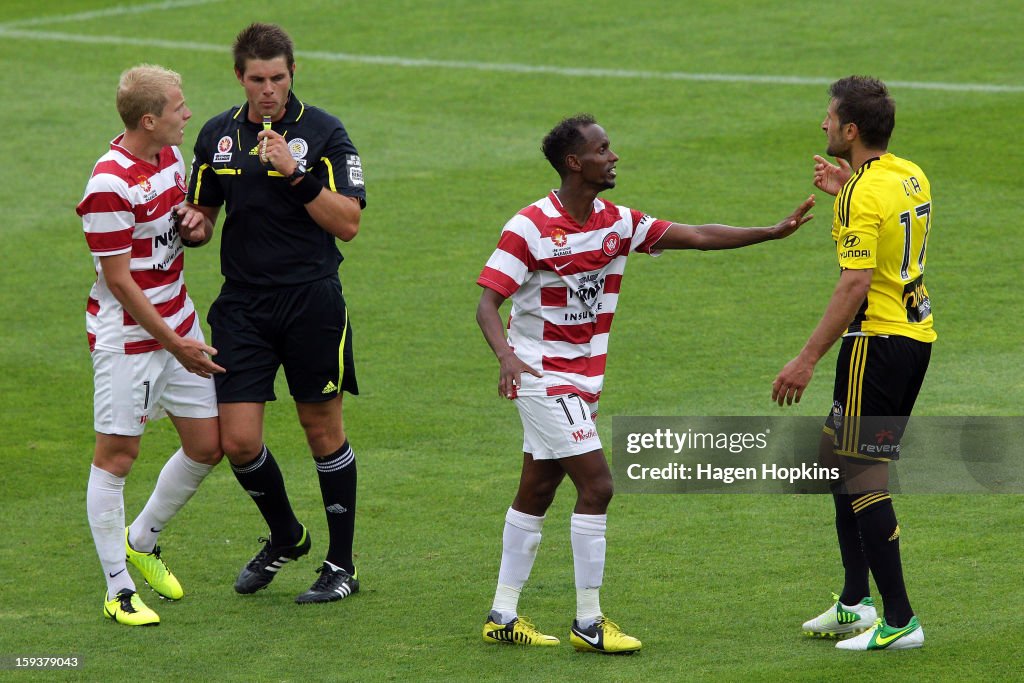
x,y
127,208
564,283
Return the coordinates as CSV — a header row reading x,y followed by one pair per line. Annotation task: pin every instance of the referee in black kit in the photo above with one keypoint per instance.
x,y
292,183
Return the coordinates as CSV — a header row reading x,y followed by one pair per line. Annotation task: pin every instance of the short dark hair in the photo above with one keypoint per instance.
x,y
564,139
262,41
866,102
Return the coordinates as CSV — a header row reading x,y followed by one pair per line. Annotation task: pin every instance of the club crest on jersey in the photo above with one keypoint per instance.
x,y
837,414
611,244
179,180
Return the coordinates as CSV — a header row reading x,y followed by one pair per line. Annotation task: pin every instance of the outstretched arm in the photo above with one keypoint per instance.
x,y
489,319
706,237
846,300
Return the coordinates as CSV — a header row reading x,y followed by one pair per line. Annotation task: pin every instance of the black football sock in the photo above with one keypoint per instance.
x,y
337,474
881,535
855,563
262,480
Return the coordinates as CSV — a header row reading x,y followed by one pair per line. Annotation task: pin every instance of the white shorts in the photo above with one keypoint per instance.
x,y
132,389
557,426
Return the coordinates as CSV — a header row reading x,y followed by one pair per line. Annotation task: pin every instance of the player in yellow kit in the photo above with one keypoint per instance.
x,y
881,309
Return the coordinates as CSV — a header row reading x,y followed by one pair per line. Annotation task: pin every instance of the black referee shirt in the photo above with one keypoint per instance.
x,y
269,239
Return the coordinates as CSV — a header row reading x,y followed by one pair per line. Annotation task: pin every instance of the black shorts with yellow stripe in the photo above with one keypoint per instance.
x,y
304,328
877,383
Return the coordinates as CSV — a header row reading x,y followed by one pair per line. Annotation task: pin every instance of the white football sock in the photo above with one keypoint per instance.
x,y
104,503
519,542
178,480
588,550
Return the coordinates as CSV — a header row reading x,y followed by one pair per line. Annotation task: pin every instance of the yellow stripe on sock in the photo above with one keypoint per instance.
x,y
868,500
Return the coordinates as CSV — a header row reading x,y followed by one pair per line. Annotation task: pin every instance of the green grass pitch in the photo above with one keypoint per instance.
x,y
714,108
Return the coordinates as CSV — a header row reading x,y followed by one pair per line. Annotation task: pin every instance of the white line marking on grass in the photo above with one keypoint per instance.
x,y
118,10
641,75
112,40
570,72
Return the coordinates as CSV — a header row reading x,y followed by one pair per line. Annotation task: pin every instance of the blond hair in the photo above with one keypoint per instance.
x,y
143,90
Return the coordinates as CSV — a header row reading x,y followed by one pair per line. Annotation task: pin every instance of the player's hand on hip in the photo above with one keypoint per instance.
x,y
792,380
828,176
274,151
788,225
194,356
511,372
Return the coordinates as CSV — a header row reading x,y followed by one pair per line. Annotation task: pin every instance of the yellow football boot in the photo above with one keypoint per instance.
x,y
154,571
127,608
519,631
602,636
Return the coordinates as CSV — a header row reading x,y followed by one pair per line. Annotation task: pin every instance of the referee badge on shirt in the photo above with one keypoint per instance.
x,y
223,154
298,148
355,169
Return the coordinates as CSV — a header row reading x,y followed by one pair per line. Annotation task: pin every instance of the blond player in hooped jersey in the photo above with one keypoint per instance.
x,y
883,312
148,352
561,261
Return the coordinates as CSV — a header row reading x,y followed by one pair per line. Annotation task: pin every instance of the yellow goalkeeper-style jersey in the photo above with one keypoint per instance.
x,y
882,218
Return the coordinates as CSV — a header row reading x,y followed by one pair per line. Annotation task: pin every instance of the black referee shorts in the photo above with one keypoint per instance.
x,y
305,328
877,382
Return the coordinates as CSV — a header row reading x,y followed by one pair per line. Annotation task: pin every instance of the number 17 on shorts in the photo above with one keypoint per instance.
x,y
557,426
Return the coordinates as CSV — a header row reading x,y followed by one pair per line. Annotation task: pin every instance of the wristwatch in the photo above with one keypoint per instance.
x,y
300,170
